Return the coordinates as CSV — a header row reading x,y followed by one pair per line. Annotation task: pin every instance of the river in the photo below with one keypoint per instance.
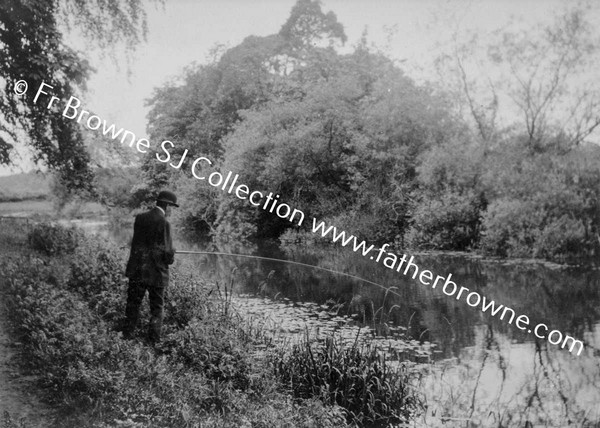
x,y
477,370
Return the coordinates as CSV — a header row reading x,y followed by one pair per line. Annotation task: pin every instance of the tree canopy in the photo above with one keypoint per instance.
x,y
292,115
33,48
351,139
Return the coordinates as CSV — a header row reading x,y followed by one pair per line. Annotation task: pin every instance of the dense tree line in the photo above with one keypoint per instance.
x,y
352,139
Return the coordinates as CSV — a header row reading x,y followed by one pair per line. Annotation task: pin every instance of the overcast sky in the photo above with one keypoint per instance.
x,y
184,31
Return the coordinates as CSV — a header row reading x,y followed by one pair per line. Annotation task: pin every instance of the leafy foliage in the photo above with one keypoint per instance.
x,y
328,132
535,195
350,139
114,186
307,25
449,221
326,149
33,49
66,310
54,239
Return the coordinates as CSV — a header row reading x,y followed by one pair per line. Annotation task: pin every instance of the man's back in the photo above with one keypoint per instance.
x,y
148,266
151,248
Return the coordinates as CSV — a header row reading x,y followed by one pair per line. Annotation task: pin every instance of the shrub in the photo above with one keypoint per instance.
x,y
14,231
210,348
357,378
378,221
54,239
511,227
293,237
186,299
199,213
450,221
561,238
96,273
525,228
114,186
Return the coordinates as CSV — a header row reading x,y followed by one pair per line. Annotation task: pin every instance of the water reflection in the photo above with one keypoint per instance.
x,y
485,372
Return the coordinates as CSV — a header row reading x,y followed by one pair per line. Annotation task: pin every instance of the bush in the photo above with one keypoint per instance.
x,y
357,378
450,221
511,228
114,186
372,225
562,238
293,237
211,349
15,231
518,228
96,273
54,239
199,212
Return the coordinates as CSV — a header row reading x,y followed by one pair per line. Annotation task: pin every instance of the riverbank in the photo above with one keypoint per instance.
x,y
305,239
20,400
41,209
65,301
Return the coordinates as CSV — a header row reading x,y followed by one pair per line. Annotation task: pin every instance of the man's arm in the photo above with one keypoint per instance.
x,y
169,250
133,259
163,252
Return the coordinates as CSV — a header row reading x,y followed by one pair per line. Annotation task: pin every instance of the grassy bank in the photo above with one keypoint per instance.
x,y
66,297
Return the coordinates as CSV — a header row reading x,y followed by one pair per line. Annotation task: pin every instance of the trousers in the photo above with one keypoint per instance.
x,y
135,296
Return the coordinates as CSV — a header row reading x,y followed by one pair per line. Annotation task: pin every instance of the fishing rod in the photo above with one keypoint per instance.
x,y
287,261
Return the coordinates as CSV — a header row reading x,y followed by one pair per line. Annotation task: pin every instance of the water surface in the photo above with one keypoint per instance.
x,y
477,370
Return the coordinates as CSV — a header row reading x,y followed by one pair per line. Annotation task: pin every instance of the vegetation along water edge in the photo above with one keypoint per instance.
x,y
66,295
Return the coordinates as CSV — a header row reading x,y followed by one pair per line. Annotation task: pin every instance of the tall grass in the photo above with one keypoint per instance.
x,y
356,377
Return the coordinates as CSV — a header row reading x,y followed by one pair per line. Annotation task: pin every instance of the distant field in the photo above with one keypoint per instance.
x,y
22,187
44,208
29,195
26,208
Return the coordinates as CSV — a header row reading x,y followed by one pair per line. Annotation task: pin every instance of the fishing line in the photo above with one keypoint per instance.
x,y
291,262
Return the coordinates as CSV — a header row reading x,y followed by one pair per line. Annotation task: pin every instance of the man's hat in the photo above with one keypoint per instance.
x,y
168,197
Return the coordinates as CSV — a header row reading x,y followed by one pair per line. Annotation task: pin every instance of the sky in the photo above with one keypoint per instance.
x,y
184,31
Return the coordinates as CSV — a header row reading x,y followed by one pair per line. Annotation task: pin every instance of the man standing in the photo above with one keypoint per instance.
x,y
148,266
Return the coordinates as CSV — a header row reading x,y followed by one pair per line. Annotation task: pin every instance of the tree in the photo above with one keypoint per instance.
x,y
541,80
32,48
201,108
308,25
346,150
531,101
337,136
545,69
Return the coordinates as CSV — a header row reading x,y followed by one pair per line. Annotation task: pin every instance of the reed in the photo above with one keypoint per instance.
x,y
372,390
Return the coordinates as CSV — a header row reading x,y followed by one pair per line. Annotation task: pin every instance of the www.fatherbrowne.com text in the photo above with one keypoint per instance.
x,y
449,287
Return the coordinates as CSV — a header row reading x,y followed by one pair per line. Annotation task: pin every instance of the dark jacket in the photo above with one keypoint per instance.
x,y
151,249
